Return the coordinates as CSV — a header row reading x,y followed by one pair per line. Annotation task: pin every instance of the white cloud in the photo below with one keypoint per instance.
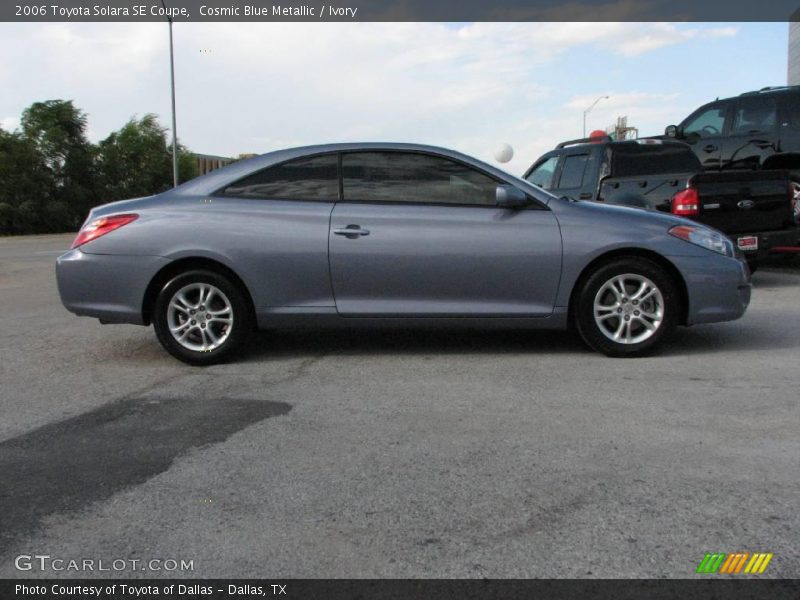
x,y
9,123
261,86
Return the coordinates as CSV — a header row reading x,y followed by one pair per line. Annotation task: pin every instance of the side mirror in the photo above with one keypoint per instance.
x,y
509,196
671,131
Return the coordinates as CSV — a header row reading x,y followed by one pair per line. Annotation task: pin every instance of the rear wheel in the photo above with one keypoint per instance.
x,y
201,317
626,307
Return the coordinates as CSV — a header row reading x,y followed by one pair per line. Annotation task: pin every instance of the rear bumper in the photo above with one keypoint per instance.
x,y
718,287
770,241
107,287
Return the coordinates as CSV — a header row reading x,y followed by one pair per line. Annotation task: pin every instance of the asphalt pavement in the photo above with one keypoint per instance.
x,y
392,454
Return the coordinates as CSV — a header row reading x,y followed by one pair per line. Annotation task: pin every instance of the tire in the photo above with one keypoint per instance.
x,y
201,337
649,321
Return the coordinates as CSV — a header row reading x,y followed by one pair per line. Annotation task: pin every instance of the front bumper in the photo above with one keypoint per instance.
x,y
104,286
718,287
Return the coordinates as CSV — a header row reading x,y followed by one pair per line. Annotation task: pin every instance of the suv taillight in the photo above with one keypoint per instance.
x,y
101,226
686,203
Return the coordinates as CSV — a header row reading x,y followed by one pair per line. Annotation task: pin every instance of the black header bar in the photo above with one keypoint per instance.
x,y
399,10
401,589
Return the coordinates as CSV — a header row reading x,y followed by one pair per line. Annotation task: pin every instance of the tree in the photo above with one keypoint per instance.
x,y
51,175
57,130
136,160
24,179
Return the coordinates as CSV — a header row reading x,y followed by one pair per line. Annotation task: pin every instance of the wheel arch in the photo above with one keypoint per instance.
x,y
174,268
618,253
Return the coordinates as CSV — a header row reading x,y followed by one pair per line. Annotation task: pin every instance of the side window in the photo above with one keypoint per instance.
x,y
791,110
707,123
543,174
755,115
310,178
572,172
414,177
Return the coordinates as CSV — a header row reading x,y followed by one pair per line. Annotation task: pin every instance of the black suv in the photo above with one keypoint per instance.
x,y
756,130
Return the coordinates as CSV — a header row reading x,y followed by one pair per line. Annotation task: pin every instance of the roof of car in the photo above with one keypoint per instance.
x,y
772,90
214,180
608,140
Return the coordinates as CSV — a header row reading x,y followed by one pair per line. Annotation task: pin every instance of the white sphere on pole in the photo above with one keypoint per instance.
x,y
504,153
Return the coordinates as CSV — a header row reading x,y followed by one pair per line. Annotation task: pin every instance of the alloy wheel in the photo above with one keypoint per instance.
x,y
629,308
200,317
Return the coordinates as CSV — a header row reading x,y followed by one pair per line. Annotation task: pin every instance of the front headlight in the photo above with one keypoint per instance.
x,y
706,238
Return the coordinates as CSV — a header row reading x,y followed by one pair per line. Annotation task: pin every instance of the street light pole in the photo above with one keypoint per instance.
x,y
586,112
172,88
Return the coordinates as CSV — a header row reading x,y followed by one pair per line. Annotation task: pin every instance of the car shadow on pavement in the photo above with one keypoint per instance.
x,y
776,278
265,345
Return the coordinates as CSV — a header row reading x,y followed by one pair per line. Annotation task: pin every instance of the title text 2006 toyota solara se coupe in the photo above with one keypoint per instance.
x,y
380,234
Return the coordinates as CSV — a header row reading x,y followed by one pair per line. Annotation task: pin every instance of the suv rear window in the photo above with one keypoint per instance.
x,y
633,160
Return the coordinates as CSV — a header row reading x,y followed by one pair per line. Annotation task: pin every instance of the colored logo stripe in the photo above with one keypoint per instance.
x,y
711,562
758,563
723,563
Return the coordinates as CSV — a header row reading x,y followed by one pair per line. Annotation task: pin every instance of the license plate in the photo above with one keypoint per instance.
x,y
748,243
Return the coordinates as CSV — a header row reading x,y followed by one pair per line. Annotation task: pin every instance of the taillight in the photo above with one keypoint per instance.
x,y
686,203
100,227
794,198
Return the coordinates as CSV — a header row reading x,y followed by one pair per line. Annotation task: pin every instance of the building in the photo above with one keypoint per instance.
x,y
209,162
794,50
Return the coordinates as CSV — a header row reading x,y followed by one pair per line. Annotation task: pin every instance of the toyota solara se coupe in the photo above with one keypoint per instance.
x,y
352,235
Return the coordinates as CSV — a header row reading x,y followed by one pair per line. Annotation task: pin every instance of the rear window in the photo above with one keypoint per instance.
x,y
633,160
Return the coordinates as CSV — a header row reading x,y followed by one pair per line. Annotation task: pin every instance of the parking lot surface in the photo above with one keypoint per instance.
x,y
394,454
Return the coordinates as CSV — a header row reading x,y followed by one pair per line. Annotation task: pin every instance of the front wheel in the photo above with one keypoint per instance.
x,y
625,308
201,317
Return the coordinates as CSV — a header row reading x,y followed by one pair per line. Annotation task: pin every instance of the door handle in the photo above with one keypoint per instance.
x,y
710,148
585,196
351,232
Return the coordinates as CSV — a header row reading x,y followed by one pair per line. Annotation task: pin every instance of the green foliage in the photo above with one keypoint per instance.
x,y
57,130
134,160
6,218
27,217
187,165
51,175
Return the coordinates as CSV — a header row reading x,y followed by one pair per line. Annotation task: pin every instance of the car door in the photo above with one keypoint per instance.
x,y
574,174
420,234
705,131
274,226
752,134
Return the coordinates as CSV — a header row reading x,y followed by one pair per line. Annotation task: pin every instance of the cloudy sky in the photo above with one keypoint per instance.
x,y
262,86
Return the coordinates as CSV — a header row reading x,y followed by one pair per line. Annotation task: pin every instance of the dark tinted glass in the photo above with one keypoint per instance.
x,y
708,123
755,115
791,108
631,160
572,173
312,178
408,177
543,174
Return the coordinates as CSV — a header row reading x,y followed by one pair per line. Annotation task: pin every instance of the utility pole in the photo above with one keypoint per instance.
x,y
172,89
